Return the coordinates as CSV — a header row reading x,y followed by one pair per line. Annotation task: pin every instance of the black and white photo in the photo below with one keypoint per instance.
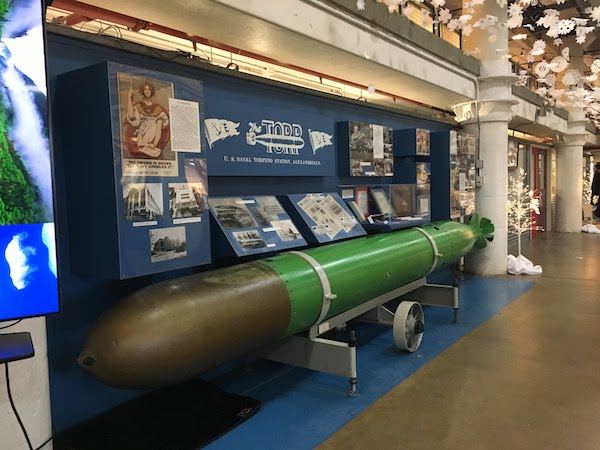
x,y
142,201
249,240
286,230
371,152
232,213
186,202
167,243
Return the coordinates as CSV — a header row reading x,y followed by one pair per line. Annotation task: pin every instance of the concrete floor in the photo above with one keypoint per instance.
x,y
529,378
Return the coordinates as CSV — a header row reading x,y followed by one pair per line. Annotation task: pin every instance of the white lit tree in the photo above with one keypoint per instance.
x,y
521,202
587,190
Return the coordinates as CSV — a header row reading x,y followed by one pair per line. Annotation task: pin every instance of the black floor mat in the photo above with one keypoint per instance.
x,y
183,417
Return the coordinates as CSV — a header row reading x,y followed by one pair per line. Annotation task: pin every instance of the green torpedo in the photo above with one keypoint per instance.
x,y
171,331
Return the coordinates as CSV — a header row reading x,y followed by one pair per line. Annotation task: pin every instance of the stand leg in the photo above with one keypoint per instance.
x,y
353,392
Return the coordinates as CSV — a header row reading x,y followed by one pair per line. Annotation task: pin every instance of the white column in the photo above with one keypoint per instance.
x,y
488,118
569,183
30,392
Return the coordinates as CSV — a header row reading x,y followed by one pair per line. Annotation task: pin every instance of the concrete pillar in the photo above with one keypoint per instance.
x,y
488,118
569,183
30,392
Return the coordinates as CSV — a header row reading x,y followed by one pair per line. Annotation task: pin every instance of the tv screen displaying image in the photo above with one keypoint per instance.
x,y
28,275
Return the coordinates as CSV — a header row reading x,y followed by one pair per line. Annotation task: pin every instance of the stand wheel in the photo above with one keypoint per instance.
x,y
409,324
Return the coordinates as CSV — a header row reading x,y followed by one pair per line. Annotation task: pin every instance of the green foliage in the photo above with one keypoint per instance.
x,y
19,198
4,7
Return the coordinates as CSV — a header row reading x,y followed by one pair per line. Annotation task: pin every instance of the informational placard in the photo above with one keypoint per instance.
x,y
255,224
326,216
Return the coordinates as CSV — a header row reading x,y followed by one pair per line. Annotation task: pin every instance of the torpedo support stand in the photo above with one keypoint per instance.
x,y
326,355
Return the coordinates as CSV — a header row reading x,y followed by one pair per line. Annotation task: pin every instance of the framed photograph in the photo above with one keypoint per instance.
x,y
382,202
356,210
362,200
423,146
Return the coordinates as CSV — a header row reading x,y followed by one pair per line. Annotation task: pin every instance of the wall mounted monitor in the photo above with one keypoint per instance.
x,y
28,274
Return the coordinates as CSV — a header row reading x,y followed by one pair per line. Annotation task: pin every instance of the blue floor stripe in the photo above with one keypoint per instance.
x,y
302,408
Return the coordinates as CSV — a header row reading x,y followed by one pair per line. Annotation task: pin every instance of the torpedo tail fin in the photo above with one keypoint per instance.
x,y
484,229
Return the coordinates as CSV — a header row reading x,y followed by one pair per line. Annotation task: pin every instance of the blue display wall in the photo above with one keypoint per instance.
x,y
227,96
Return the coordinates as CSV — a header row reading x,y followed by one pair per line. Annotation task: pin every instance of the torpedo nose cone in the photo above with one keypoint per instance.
x,y
172,331
86,361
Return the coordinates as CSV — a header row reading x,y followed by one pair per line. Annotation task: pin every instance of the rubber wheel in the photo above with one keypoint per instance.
x,y
408,327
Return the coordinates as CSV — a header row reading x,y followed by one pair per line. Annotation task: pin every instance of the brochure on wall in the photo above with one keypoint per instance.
x,y
255,224
326,216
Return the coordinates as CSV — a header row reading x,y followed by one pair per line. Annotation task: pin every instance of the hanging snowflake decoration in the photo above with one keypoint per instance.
x,y
562,27
566,53
409,10
486,23
538,47
360,5
445,16
558,42
438,3
581,33
595,67
515,16
571,78
550,79
595,14
551,17
523,78
426,18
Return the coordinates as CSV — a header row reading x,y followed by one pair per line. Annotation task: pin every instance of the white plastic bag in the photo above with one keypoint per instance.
x,y
519,265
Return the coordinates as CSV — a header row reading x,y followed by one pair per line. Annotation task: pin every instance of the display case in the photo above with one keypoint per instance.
x,y
390,206
365,150
254,225
453,173
325,217
135,167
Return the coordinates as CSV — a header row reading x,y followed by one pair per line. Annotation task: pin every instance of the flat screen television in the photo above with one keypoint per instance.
x,y
28,268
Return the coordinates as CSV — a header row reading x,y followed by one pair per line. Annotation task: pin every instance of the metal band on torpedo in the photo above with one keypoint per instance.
x,y
328,296
436,254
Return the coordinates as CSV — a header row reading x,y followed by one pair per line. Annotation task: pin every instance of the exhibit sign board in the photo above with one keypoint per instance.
x,y
28,269
266,137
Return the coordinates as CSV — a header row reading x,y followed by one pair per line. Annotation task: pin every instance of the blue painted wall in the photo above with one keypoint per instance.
x,y
76,396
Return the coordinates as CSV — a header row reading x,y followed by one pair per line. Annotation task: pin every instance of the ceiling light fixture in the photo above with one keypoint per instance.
x,y
519,37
